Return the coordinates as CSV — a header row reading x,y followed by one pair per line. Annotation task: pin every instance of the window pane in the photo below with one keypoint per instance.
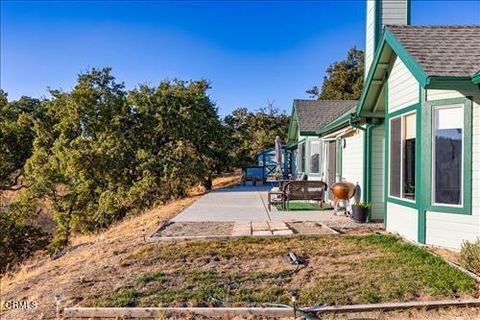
x,y
301,158
315,157
408,179
395,160
447,151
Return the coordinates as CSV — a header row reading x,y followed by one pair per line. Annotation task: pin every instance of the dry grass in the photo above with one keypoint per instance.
x,y
117,267
252,271
93,267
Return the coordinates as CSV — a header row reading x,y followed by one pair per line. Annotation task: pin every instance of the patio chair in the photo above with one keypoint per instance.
x,y
304,190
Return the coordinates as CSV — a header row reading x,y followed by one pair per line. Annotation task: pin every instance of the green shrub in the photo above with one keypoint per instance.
x,y
470,256
18,241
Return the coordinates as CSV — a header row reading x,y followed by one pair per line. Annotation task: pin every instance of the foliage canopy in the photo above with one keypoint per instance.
x,y
101,151
343,79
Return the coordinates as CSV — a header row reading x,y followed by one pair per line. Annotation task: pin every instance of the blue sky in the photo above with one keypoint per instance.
x,y
252,52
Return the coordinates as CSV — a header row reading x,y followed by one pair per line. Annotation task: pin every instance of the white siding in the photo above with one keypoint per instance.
x,y
403,88
402,220
403,91
448,229
394,12
378,171
390,12
370,35
352,159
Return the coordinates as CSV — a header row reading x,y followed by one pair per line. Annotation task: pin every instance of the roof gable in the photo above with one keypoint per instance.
x,y
444,51
390,44
315,114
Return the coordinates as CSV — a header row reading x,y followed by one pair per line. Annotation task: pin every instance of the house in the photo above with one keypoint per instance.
x,y
424,84
419,116
308,150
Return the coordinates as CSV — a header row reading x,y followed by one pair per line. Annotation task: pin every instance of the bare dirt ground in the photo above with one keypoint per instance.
x,y
308,227
200,228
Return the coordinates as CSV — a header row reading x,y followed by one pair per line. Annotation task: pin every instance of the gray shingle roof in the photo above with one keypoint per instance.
x,y
315,114
442,50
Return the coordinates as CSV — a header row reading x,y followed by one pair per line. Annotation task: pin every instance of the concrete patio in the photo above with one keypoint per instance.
x,y
246,203
242,211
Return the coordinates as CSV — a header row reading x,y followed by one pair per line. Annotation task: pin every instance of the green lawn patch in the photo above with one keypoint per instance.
x,y
253,272
304,206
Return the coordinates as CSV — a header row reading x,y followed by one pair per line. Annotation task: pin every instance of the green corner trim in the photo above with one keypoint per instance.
x,y
386,164
466,207
420,164
366,162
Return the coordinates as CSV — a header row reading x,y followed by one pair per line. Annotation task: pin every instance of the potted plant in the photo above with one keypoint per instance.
x,y
360,211
277,175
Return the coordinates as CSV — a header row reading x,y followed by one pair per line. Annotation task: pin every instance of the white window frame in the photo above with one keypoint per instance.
x,y
402,141
316,141
460,106
301,150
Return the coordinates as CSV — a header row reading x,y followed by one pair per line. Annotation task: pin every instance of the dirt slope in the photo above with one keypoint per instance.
x,y
93,265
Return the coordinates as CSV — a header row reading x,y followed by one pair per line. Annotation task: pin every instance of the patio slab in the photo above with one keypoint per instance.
x,y
241,203
246,208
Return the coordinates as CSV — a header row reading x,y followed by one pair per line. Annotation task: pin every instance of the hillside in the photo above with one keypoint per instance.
x,y
94,264
117,268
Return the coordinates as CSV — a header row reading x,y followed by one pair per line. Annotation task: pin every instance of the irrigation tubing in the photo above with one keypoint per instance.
x,y
302,311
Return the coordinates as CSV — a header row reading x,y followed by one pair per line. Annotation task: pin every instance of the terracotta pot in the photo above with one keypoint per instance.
x,y
343,190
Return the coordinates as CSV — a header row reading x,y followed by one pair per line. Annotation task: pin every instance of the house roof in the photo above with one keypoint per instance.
x,y
315,114
450,51
434,55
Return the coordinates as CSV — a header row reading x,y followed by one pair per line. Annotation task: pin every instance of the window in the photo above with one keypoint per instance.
x,y
447,154
402,156
301,157
315,157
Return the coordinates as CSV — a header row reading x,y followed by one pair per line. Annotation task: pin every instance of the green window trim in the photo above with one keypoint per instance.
x,y
402,202
414,108
398,113
466,207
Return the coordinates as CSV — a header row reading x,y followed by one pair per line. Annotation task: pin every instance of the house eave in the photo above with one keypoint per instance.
x,y
335,125
476,78
375,80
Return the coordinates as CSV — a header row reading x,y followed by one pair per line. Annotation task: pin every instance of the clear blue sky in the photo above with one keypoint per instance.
x,y
252,52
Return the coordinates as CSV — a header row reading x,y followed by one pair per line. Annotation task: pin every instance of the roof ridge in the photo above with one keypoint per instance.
x,y
314,100
433,26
